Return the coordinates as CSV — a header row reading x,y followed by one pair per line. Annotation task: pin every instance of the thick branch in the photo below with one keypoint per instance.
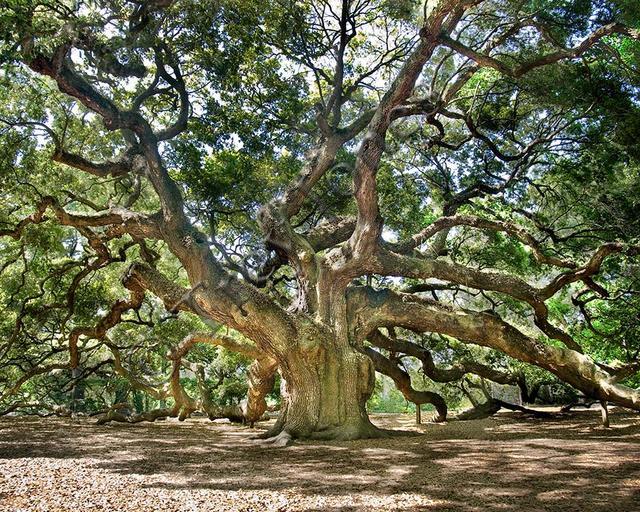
x,y
112,318
455,372
589,42
246,349
478,222
403,383
371,309
369,224
392,264
117,220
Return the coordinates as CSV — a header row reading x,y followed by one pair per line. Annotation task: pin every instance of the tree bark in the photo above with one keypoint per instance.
x,y
325,394
77,391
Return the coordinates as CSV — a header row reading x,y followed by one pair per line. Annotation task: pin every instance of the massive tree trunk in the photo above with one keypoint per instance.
x,y
325,393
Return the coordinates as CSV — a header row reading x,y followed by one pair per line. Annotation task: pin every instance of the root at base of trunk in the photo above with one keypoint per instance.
x,y
279,441
284,438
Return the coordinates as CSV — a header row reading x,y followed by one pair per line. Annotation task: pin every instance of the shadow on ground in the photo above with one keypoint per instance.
x,y
506,463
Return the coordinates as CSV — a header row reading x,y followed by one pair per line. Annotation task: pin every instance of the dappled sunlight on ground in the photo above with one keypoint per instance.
x,y
504,463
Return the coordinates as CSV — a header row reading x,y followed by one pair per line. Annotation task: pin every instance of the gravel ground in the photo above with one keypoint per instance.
x,y
506,463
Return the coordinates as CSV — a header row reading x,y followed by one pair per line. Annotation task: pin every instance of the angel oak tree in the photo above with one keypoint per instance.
x,y
449,117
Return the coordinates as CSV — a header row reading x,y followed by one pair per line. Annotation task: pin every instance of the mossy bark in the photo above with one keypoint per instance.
x,y
325,394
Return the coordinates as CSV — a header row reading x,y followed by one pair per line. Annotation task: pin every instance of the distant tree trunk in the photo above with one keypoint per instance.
x,y
605,413
121,393
528,395
77,391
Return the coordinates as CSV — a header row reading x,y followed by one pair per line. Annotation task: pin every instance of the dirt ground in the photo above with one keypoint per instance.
x,y
507,463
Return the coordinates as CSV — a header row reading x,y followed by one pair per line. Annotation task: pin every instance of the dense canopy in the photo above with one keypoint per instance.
x,y
446,192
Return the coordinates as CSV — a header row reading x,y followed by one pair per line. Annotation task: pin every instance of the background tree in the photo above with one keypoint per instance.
x,y
328,180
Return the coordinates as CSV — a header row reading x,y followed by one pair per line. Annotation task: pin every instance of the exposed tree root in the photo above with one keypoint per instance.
x,y
343,433
120,413
284,438
279,441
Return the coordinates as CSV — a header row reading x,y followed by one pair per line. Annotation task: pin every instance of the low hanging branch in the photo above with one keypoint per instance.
x,y
261,376
380,309
493,405
402,380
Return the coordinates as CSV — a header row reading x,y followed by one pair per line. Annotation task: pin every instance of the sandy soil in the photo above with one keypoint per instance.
x,y
506,463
